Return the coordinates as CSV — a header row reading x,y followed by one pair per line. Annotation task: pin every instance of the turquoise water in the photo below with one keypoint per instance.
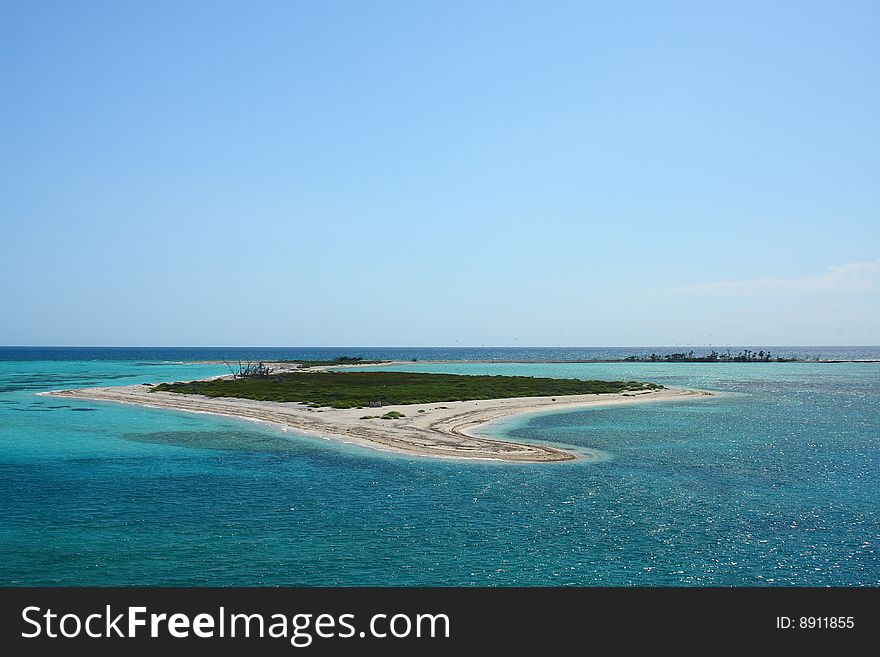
x,y
775,482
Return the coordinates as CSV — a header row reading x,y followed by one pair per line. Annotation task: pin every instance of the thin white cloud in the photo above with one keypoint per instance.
x,y
852,278
838,306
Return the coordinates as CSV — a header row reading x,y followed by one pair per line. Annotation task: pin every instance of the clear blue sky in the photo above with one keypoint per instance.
x,y
439,173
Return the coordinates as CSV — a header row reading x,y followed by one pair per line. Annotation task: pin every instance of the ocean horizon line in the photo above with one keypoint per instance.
x,y
367,346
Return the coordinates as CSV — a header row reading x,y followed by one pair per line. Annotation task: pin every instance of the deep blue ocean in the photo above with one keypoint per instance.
x,y
775,482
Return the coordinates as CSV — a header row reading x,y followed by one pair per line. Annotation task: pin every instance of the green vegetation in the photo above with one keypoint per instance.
x,y
350,389
390,415
745,356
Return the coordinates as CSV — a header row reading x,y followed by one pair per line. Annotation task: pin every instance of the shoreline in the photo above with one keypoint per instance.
x,y
622,361
437,429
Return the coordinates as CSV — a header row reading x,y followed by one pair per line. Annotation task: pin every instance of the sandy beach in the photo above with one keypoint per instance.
x,y
444,429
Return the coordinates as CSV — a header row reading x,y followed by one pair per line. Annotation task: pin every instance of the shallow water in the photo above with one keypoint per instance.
x,y
774,482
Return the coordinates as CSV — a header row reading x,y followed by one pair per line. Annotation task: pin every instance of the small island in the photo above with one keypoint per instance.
x,y
336,389
421,414
334,362
744,356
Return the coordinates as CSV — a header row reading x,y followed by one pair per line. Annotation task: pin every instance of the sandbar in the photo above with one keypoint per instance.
x,y
444,429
